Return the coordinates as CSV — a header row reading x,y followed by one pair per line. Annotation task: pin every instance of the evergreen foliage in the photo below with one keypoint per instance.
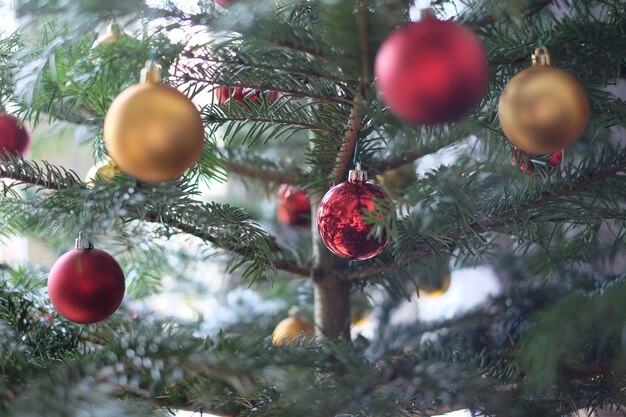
x,y
552,343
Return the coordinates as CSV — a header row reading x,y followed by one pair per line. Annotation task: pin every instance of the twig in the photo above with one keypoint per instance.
x,y
351,134
268,175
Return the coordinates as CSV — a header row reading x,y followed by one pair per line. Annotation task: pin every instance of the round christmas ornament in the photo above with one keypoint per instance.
x,y
86,285
341,221
152,131
527,162
294,207
14,138
105,171
543,109
396,179
434,288
248,96
431,71
113,34
291,328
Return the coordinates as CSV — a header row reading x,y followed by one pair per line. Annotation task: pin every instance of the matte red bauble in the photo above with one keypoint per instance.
x,y
431,71
13,137
294,207
86,285
340,219
226,95
527,165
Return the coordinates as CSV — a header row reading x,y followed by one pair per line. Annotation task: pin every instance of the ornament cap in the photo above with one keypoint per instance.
x,y
427,13
541,56
151,73
82,243
356,174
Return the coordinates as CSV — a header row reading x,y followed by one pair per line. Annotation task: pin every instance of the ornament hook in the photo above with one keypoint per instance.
x,y
151,73
541,56
82,243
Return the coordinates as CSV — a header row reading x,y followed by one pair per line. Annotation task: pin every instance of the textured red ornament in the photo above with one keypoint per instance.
x,y
341,224
527,165
431,71
294,207
243,95
13,137
86,285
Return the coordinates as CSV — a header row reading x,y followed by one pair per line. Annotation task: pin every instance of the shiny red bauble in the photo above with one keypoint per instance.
x,y
13,137
294,207
250,96
528,166
431,71
341,222
86,285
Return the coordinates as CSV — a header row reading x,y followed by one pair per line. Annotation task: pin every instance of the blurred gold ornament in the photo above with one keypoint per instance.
x,y
113,34
292,328
395,180
543,109
433,289
105,171
153,131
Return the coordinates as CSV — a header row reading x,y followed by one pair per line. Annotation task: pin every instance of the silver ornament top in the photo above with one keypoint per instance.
x,y
356,174
82,243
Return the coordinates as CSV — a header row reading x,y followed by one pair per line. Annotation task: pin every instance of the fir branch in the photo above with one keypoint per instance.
x,y
257,119
485,225
274,176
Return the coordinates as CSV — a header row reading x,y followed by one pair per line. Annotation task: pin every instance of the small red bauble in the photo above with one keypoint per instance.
x,y
340,219
243,95
224,3
294,207
86,285
13,137
527,165
431,71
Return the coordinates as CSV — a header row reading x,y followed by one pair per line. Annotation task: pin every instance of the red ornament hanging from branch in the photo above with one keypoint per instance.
x,y
86,285
431,71
341,220
294,207
14,138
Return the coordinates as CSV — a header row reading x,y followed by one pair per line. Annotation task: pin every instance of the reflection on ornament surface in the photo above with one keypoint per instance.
x,y
341,222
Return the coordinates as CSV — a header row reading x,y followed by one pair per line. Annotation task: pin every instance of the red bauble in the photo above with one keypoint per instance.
x,y
13,137
294,207
224,3
86,285
341,224
527,165
243,95
431,71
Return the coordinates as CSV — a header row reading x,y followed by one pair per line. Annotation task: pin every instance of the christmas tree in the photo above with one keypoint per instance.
x,y
493,131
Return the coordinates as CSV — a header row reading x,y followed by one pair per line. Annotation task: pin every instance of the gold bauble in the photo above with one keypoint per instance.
x,y
113,34
291,328
396,179
543,109
105,170
153,131
431,289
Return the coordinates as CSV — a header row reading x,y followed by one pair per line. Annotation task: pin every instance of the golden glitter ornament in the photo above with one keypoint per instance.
x,y
105,171
428,288
153,131
113,34
394,180
292,328
543,109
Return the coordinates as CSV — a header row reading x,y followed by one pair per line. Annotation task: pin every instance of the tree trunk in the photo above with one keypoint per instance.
x,y
332,296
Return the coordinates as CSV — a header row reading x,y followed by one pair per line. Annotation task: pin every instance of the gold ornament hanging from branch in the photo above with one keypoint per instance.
x,y
113,34
104,171
543,109
152,131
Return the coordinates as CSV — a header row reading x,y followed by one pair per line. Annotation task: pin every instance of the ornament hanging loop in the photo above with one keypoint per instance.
x,y
151,73
82,243
541,56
